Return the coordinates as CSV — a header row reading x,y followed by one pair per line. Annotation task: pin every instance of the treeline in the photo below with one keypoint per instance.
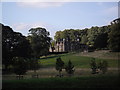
x,y
105,37
20,53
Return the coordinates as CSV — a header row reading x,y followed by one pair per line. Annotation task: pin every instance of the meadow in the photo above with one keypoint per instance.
x,y
79,60
82,77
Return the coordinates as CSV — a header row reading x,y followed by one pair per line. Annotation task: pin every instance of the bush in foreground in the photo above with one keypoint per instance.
x,y
59,65
70,68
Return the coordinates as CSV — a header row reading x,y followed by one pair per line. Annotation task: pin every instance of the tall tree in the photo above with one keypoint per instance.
x,y
7,34
101,41
40,41
114,35
14,44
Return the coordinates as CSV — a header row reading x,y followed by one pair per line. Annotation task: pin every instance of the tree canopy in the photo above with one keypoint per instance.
x,y
95,37
114,35
14,44
40,41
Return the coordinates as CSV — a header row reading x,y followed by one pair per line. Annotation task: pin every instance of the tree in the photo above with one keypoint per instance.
x,y
114,36
20,65
52,45
70,68
34,64
14,44
94,66
7,39
101,41
92,34
58,36
40,41
59,65
103,65
84,39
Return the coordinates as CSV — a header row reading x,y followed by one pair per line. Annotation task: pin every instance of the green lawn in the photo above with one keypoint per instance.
x,y
95,81
78,61
82,77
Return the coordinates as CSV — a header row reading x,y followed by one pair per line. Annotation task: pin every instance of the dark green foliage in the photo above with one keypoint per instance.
x,y
103,65
34,64
20,65
101,41
94,37
14,44
70,68
84,39
40,41
94,66
114,36
59,65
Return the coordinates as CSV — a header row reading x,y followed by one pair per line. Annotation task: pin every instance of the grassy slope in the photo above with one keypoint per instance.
x,y
78,61
96,81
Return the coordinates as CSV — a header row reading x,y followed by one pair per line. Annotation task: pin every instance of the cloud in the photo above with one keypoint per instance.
x,y
25,27
40,4
20,26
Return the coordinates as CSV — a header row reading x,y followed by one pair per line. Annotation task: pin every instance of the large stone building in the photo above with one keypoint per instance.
x,y
66,46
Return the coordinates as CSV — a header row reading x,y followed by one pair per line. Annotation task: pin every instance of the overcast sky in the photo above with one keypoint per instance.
x,y
55,16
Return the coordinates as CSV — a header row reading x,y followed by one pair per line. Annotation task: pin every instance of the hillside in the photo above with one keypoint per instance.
x,y
82,60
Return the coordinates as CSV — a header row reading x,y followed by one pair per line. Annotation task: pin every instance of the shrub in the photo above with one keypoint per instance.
x,y
70,68
93,66
59,65
103,65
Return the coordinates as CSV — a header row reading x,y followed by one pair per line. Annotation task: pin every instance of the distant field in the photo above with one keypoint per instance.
x,y
78,60
96,81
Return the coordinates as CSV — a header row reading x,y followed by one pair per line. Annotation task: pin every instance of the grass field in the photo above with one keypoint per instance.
x,y
82,77
96,81
77,60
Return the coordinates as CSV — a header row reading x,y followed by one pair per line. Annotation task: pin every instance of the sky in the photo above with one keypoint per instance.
x,y
55,16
